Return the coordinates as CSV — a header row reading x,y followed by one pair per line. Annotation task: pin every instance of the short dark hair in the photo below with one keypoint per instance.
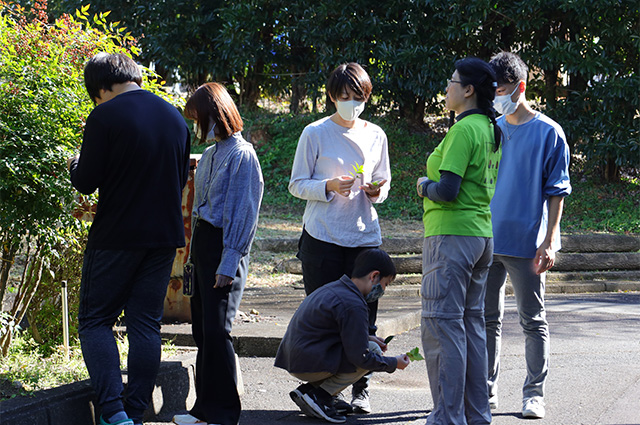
x,y
349,75
212,102
480,75
373,259
509,68
106,69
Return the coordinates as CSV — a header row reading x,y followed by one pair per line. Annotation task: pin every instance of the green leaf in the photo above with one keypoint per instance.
x,y
358,169
388,339
414,355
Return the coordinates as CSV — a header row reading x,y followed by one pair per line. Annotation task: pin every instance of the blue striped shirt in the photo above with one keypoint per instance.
x,y
228,193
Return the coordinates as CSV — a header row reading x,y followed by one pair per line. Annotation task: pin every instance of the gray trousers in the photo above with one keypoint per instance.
x,y
454,273
529,292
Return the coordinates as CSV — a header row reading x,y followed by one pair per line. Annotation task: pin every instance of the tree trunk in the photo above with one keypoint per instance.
x,y
34,328
550,86
298,93
413,111
611,170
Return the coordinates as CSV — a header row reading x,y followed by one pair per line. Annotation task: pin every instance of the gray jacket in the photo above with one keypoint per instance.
x,y
329,333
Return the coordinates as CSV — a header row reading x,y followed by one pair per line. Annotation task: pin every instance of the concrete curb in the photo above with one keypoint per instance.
x,y
73,404
399,311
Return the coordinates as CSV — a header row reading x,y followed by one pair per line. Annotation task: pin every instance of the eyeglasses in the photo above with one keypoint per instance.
x,y
452,81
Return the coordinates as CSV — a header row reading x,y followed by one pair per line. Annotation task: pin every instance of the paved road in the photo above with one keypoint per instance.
x,y
594,373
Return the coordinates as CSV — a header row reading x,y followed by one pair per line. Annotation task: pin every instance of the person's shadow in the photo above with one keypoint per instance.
x,y
267,417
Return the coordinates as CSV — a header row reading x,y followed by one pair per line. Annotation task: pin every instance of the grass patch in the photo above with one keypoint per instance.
x,y
603,207
592,207
26,369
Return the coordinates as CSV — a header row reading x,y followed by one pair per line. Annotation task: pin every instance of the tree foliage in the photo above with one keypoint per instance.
x,y
583,54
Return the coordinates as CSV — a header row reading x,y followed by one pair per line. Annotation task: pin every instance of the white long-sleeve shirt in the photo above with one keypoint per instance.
x,y
327,150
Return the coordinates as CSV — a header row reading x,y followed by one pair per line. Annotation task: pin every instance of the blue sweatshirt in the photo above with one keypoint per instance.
x,y
534,166
228,193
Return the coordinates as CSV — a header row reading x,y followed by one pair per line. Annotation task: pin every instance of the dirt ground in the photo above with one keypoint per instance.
x,y
267,268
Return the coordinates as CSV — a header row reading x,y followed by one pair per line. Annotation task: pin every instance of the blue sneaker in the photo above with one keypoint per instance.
x,y
122,422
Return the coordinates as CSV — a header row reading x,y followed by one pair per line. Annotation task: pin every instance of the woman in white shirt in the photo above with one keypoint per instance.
x,y
341,169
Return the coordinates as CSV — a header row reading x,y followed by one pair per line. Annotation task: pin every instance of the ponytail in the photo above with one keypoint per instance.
x,y
480,75
487,108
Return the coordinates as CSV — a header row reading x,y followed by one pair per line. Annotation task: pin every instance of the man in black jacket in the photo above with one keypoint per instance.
x,y
327,342
135,150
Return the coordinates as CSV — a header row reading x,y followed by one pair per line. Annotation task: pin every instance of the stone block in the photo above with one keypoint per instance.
x,y
600,242
597,261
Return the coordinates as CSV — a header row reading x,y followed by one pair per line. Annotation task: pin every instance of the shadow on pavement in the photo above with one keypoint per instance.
x,y
264,417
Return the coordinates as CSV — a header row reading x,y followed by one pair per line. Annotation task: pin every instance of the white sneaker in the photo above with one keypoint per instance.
x,y
187,419
533,408
493,402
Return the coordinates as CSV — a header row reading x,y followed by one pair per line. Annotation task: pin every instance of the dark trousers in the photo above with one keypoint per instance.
x,y
136,282
212,313
324,262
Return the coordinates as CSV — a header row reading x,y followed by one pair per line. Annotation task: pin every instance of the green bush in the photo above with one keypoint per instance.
x,y
45,310
43,107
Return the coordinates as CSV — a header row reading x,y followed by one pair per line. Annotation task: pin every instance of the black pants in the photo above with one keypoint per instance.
x,y
324,262
212,314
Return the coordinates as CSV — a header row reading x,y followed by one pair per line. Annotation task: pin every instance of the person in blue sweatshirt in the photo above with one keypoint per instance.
x,y
533,180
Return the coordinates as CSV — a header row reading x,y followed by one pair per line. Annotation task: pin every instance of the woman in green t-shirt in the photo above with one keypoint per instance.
x,y
458,248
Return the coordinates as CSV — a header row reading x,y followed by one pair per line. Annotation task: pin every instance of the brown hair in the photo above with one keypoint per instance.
x,y
211,102
349,75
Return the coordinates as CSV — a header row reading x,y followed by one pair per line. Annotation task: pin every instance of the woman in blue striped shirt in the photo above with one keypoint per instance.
x,y
228,192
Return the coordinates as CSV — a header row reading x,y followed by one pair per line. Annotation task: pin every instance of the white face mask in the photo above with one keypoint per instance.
x,y
210,135
504,105
349,110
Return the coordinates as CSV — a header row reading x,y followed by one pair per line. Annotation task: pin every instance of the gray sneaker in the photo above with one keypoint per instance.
x,y
360,402
341,405
533,408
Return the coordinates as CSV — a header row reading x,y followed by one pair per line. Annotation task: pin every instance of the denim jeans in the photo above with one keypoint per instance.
x,y
529,292
454,271
112,281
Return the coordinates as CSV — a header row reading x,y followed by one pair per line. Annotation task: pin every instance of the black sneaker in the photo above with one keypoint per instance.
x,y
322,404
297,394
341,405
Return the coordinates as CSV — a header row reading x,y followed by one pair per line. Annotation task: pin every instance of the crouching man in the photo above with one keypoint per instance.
x,y
327,343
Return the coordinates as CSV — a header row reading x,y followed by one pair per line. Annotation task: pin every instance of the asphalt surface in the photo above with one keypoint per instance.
x,y
594,373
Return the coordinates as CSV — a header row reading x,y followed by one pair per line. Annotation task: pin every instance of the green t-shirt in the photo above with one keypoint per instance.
x,y
467,150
